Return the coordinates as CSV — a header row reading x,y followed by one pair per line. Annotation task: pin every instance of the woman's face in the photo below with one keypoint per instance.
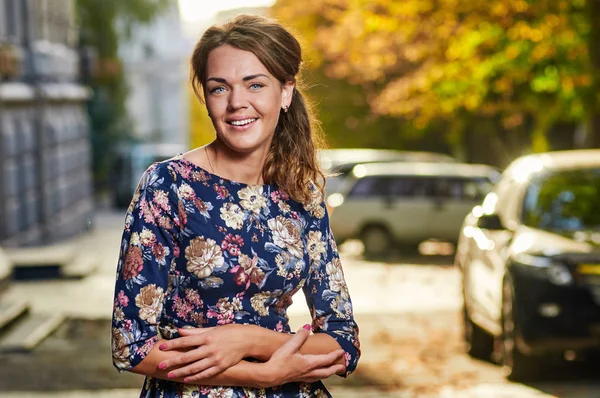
x,y
243,99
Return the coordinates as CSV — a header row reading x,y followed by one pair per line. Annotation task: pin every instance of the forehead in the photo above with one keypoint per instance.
x,y
231,63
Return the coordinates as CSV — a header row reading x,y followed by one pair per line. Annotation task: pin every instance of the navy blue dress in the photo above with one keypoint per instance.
x,y
199,250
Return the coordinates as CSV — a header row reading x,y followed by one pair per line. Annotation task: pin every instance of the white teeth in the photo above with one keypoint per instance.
x,y
242,122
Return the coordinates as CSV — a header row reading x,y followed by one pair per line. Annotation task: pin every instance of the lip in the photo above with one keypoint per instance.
x,y
240,117
241,128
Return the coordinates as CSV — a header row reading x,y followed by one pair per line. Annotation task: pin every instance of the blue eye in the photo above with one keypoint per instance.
x,y
216,90
256,86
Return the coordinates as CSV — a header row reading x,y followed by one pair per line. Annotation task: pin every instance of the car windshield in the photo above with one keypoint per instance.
x,y
564,201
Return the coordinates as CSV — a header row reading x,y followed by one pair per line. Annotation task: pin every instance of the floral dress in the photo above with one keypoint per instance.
x,y
201,251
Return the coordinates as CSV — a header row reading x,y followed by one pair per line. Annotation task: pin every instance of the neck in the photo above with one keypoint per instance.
x,y
235,166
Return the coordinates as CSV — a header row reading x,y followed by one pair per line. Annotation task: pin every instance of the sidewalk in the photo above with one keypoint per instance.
x,y
482,391
131,393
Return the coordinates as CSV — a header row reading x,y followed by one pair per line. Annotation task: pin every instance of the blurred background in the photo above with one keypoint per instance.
x,y
93,91
423,104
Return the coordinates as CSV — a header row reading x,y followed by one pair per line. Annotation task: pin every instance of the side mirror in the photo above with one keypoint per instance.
x,y
490,221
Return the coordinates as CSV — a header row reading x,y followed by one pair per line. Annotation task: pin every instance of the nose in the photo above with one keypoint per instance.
x,y
237,99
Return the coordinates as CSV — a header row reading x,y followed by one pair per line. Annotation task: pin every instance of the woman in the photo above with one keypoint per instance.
x,y
218,240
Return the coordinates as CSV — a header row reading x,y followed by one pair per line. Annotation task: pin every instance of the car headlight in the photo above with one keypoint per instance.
x,y
335,200
557,272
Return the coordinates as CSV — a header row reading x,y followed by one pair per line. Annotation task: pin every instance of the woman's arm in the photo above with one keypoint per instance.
x,y
326,291
265,342
204,352
244,374
286,364
148,246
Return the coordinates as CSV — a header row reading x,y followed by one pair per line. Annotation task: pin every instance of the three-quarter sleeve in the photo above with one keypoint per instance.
x,y
326,291
148,245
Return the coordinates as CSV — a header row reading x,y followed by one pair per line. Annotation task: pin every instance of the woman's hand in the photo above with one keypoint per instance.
x,y
287,364
216,349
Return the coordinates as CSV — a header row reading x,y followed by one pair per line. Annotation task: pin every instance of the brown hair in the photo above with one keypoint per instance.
x,y
292,160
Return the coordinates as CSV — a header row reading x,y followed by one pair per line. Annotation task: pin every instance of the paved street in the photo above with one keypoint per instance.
x,y
408,311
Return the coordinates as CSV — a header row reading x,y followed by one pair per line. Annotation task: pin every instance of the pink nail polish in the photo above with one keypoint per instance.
x,y
161,366
170,375
307,326
162,347
186,380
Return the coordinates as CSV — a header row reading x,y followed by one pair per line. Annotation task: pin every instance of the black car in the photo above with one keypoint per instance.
x,y
530,263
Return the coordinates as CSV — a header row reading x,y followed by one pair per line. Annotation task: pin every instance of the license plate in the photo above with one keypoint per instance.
x,y
588,269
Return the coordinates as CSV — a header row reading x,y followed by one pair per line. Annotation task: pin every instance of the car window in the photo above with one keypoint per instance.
x,y
370,187
411,186
467,188
564,201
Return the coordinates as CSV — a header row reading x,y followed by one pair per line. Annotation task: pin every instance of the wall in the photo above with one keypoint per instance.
x,y
45,179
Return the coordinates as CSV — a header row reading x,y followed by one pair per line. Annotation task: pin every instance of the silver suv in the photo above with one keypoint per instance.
x,y
399,205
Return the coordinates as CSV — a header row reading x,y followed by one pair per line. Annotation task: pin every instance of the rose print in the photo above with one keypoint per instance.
x,y
233,215
286,234
252,198
134,262
149,303
203,256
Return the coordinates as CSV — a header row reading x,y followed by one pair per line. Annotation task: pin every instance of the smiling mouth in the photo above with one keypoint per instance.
x,y
243,122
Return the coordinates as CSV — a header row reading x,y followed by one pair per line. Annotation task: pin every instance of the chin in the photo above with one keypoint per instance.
x,y
245,144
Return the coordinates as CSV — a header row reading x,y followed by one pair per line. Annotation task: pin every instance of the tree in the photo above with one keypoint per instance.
x,y
343,107
453,60
103,25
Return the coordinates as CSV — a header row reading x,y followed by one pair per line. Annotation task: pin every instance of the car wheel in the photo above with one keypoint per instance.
x,y
479,343
376,240
516,366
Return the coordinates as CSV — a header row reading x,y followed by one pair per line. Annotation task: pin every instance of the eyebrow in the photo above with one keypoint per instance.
x,y
251,77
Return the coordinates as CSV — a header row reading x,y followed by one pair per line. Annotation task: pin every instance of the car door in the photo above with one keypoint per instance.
x,y
409,207
454,198
484,271
487,266
364,204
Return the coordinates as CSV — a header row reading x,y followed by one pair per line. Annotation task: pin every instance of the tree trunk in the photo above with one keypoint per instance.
x,y
593,129
456,138
543,122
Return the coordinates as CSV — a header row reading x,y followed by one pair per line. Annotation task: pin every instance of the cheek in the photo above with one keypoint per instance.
x,y
215,106
269,107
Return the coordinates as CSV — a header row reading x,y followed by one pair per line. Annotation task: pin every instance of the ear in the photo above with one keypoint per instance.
x,y
287,90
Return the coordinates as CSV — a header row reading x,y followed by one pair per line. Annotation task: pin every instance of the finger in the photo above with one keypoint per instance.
x,y
182,342
293,345
193,331
322,360
183,359
192,368
210,372
322,373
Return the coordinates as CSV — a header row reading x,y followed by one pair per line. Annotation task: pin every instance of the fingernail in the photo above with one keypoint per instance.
x,y
161,366
170,375
186,380
162,347
307,326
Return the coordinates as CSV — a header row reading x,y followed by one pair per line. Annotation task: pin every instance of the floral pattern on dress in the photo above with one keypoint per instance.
x,y
200,251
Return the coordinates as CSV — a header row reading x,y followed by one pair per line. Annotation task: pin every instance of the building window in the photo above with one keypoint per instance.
x,y
13,20
3,32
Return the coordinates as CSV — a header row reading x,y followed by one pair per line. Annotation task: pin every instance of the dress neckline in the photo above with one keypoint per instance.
x,y
179,157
